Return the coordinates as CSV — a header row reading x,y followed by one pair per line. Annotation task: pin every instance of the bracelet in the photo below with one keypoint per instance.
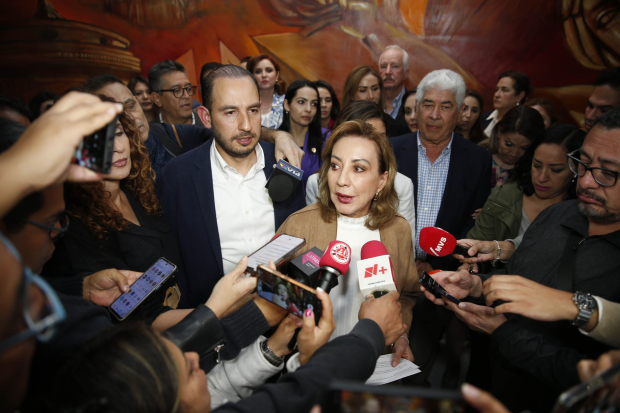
x,y
499,252
403,336
269,355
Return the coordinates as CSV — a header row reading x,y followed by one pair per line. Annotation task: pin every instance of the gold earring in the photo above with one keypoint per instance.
x,y
376,196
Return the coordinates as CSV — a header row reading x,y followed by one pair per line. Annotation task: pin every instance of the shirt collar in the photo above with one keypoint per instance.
x,y
421,147
399,98
223,166
575,221
494,115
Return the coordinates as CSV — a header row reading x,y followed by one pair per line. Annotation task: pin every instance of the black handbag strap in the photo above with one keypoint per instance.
x,y
566,269
160,132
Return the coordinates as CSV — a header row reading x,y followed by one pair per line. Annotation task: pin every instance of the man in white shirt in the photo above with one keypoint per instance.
x,y
215,197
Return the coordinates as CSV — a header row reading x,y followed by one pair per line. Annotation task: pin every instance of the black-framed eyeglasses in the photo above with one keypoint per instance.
x,y
39,305
602,176
178,92
56,230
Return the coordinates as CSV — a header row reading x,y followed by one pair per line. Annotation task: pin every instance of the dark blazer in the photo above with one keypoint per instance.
x,y
467,187
186,192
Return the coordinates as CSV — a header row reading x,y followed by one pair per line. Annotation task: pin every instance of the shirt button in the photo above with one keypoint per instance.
x,y
428,187
250,239
241,183
247,212
426,209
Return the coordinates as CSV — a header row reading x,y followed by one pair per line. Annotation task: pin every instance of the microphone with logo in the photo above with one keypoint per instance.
x,y
335,262
283,181
439,242
374,270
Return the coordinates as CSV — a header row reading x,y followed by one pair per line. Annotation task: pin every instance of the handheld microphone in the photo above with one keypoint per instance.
x,y
374,270
306,267
283,181
438,242
335,262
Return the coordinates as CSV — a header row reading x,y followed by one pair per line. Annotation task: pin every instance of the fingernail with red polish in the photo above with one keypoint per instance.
x,y
308,313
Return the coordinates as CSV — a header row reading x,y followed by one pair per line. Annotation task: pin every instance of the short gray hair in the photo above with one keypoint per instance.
x,y
441,80
396,47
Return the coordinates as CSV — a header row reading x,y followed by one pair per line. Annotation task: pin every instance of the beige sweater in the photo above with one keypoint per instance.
x,y
396,236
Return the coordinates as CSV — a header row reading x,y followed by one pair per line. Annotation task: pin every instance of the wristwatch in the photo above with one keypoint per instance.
x,y
586,305
270,356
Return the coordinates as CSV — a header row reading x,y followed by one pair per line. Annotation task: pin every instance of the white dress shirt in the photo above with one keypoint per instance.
x,y
494,117
243,208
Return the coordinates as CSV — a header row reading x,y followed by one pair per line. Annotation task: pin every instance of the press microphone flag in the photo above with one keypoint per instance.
x,y
374,270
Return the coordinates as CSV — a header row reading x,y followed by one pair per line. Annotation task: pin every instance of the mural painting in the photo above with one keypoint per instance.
x,y
562,45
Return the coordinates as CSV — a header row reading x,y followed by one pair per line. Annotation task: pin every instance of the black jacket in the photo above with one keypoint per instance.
x,y
540,358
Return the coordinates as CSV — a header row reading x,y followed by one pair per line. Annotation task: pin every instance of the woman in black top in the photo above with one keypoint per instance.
x,y
117,222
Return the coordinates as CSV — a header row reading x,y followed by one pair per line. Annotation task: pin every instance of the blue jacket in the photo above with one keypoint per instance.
x,y
186,193
467,187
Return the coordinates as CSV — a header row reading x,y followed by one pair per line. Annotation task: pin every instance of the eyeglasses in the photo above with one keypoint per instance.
x,y
178,92
40,306
55,232
602,176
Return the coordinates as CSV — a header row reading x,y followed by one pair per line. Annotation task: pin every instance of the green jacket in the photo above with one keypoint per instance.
x,y
501,215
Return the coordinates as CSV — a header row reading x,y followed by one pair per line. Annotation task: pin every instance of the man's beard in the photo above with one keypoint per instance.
x,y
602,218
226,144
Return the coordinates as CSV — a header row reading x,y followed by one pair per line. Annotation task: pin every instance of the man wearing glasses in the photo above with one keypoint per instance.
x,y
572,246
172,91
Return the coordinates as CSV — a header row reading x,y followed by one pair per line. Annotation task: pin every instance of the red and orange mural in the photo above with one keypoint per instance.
x,y
561,44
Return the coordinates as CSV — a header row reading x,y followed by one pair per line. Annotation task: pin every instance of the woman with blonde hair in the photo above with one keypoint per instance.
x,y
363,83
357,203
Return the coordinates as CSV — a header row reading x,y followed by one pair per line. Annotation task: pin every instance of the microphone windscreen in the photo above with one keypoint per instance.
x,y
280,188
373,249
436,241
337,255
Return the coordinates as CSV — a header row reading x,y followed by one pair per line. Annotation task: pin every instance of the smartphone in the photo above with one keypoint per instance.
x,y
280,249
95,151
600,394
287,293
434,288
139,291
348,397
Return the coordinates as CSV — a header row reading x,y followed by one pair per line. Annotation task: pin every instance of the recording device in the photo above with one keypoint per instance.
x,y
335,262
346,396
434,288
95,152
149,282
374,270
306,267
287,293
279,249
600,394
283,181
439,242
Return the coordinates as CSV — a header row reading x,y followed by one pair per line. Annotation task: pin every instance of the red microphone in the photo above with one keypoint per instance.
x,y
374,270
335,262
438,242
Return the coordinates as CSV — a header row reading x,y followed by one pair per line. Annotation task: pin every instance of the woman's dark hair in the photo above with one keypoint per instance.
x,y
315,136
523,120
547,106
131,85
364,110
521,83
280,85
568,136
90,202
335,102
408,93
126,369
476,134
35,102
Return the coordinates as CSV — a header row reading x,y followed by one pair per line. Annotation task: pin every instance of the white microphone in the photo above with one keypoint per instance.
x,y
374,270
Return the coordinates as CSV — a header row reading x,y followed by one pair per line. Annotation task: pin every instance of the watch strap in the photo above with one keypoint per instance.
x,y
269,355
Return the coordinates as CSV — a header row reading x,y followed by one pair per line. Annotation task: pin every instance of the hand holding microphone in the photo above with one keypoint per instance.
x,y
438,242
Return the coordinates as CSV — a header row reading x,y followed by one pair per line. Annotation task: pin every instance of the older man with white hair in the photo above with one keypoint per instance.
x,y
394,70
452,177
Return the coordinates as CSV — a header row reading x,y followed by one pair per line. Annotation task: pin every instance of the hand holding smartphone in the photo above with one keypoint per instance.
x,y
287,293
144,287
434,288
96,150
280,249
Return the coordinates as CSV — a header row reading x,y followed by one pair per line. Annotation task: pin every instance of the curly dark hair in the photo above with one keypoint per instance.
x,y
90,202
568,136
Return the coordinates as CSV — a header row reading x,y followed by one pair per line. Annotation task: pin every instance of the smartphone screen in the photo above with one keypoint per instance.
x,y
287,293
356,397
435,288
278,249
96,150
144,286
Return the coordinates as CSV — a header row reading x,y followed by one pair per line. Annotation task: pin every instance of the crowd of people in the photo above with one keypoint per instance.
x,y
535,203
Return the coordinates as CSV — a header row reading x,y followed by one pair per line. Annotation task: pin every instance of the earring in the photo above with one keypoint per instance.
x,y
376,196
574,177
517,103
